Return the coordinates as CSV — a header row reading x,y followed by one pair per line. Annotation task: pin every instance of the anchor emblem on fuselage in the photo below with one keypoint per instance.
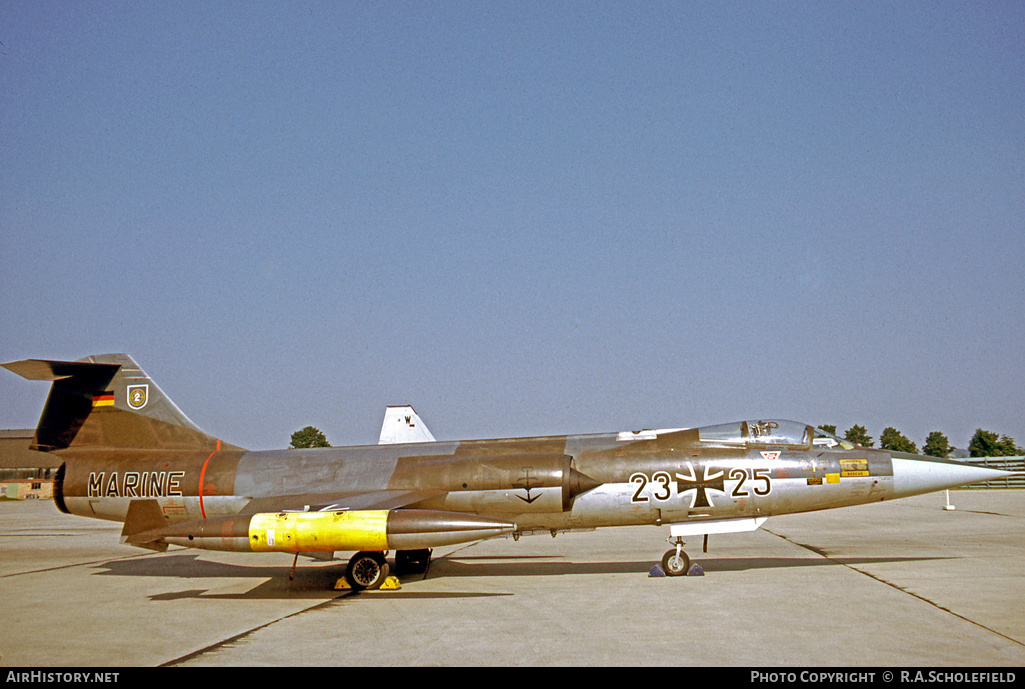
x,y
527,483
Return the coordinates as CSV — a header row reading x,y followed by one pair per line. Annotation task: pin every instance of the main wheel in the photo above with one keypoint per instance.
x,y
412,561
366,570
675,565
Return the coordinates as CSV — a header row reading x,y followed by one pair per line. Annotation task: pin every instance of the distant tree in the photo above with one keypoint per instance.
x,y
309,437
858,434
983,444
892,439
937,445
988,444
831,430
1009,447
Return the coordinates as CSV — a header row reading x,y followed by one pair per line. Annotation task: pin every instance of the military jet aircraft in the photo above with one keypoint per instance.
x,y
130,455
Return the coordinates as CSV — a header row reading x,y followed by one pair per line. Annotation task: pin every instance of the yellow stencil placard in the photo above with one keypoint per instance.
x,y
854,467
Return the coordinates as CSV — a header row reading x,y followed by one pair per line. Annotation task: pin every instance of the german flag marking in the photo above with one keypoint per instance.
x,y
103,399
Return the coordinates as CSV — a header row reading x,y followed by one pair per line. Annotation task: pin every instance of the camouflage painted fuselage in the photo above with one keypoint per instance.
x,y
549,483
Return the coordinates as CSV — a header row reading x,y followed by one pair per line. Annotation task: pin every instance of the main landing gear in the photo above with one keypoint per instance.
x,y
367,570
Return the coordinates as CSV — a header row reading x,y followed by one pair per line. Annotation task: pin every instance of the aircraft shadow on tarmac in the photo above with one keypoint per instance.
x,y
187,565
484,566
317,582
311,582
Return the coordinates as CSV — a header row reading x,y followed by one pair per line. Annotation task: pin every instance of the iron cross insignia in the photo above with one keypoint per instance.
x,y
700,486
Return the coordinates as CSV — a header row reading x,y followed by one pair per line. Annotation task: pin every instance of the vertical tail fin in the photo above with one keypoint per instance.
x,y
403,425
107,401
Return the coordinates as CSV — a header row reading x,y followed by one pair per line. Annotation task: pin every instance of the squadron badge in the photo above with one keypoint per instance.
x,y
138,395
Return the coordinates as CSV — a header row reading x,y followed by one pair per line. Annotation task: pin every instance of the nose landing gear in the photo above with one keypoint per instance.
x,y
675,562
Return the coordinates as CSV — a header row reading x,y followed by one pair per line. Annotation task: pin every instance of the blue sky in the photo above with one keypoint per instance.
x,y
522,218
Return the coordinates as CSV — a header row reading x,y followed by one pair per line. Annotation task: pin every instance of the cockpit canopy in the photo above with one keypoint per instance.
x,y
769,432
824,439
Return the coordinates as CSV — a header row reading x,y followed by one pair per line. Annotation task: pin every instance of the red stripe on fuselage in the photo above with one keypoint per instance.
x,y
202,476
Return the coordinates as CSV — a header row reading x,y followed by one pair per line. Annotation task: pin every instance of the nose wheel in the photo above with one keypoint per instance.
x,y
675,562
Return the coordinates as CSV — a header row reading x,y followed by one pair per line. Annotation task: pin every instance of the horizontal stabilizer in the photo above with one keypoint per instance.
x,y
43,369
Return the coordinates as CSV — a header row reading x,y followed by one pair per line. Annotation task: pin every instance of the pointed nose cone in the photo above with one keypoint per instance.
x,y
917,474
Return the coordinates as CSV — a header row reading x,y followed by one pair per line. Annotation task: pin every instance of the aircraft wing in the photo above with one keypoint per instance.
x,y
317,502
717,527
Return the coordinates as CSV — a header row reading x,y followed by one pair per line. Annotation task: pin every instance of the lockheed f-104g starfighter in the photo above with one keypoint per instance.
x,y
130,455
